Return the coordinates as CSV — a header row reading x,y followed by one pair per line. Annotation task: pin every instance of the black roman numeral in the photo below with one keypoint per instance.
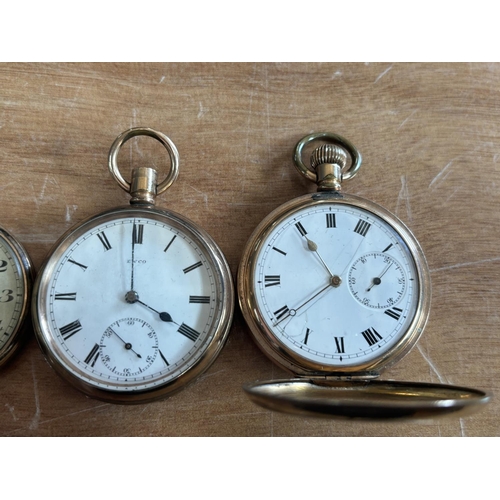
x,y
188,332
279,251
70,329
190,268
330,220
77,264
371,335
93,355
104,240
362,227
308,331
272,280
300,229
199,299
171,241
281,312
137,234
164,358
65,296
387,248
339,343
394,313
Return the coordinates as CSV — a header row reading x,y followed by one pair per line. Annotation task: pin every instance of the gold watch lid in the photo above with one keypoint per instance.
x,y
366,399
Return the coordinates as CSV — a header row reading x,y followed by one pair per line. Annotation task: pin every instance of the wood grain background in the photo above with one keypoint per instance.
x,y
430,139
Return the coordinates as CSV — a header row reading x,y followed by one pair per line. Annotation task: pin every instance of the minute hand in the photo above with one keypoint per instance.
x,y
302,305
133,257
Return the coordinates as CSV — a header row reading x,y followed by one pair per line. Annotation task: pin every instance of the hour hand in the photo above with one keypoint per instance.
x,y
133,297
313,247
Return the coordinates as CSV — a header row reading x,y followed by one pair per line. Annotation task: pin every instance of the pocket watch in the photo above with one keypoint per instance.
x,y
135,302
335,289
16,273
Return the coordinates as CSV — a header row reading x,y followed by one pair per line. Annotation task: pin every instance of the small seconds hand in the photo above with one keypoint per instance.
x,y
127,345
378,280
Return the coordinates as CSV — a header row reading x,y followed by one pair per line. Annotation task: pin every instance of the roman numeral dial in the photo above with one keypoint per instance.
x,y
334,283
135,300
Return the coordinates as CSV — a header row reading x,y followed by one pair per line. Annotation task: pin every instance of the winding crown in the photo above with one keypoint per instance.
x,y
329,153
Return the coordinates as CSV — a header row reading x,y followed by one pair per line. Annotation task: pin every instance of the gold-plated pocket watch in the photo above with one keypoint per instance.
x,y
16,273
336,289
136,302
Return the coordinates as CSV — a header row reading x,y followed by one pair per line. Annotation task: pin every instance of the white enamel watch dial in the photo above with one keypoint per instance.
x,y
320,276
336,282
335,289
133,303
15,288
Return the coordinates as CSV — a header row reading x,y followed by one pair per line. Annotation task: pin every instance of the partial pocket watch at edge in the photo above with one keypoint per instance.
x,y
136,302
335,289
16,274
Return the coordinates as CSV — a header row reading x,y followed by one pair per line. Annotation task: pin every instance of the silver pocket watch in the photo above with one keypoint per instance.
x,y
136,302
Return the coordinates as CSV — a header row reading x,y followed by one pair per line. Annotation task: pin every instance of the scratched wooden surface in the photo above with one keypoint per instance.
x,y
430,139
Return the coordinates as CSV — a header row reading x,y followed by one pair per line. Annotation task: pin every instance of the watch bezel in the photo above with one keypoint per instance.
x,y
122,393
279,352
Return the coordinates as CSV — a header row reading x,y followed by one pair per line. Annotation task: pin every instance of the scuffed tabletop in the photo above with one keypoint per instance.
x,y
430,139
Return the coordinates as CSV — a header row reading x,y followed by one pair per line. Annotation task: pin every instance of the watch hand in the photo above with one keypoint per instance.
x,y
128,345
133,297
164,316
293,312
311,245
133,257
378,280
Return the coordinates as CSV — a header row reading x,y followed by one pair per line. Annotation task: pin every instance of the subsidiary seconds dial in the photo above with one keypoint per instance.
x,y
128,347
377,280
